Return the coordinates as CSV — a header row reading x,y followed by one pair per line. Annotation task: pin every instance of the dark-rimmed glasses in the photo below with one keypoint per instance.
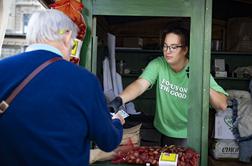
x,y
171,48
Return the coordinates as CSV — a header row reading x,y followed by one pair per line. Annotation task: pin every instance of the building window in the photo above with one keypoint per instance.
x,y
20,13
26,18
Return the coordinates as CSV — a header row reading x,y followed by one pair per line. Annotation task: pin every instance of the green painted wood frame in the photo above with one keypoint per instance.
x,y
200,12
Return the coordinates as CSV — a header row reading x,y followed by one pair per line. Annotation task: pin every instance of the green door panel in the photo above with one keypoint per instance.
x,y
200,14
142,7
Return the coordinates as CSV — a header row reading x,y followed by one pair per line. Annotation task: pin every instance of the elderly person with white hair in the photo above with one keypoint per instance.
x,y
55,116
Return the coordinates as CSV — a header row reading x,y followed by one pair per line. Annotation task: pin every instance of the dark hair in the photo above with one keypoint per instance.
x,y
182,32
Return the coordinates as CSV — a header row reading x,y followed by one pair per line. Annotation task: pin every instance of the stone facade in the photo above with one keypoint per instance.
x,y
20,13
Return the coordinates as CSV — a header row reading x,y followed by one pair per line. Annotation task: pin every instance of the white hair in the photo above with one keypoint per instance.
x,y
47,25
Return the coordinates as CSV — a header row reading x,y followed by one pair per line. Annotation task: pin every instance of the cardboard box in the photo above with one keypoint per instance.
x,y
133,42
219,64
223,125
239,36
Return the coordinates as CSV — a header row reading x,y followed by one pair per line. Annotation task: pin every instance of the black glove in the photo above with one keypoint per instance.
x,y
115,104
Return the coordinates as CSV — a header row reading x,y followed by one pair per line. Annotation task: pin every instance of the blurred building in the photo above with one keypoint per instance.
x,y
14,41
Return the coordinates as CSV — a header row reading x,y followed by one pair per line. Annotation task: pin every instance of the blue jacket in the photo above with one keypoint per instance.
x,y
53,119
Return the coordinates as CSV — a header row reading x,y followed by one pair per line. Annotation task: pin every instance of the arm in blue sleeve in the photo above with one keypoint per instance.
x,y
105,132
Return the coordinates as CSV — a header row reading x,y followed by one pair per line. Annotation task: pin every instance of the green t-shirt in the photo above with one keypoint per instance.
x,y
171,97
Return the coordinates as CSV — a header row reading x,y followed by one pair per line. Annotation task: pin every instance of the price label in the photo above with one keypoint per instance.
x,y
168,159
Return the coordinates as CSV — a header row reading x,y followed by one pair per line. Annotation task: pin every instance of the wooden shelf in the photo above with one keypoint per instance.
x,y
128,49
230,162
229,53
232,78
130,75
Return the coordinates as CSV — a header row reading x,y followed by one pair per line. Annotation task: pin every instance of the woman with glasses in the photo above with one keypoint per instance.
x,y
170,73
